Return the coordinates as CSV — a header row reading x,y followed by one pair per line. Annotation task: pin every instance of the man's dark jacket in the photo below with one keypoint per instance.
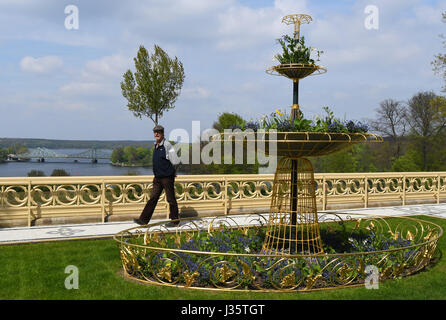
x,y
162,160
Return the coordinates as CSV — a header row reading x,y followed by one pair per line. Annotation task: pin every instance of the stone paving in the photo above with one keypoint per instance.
x,y
99,230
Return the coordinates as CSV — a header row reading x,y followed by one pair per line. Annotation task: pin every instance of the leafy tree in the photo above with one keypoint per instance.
x,y
365,156
3,155
17,149
358,158
132,155
409,162
141,152
426,116
228,120
59,173
342,161
155,85
437,158
36,173
117,155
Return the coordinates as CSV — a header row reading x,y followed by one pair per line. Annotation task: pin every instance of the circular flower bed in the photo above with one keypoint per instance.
x,y
225,253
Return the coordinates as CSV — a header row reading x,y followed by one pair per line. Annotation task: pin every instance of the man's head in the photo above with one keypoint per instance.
x,y
158,133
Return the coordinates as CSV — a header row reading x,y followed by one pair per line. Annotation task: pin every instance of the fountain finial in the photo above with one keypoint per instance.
x,y
297,19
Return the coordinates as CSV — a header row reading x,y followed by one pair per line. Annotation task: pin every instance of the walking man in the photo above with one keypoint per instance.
x,y
164,159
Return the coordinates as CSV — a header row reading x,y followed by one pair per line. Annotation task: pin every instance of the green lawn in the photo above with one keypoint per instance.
x,y
37,271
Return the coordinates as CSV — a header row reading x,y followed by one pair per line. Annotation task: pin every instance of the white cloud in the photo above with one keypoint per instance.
x,y
98,77
35,102
195,93
400,40
242,27
83,88
292,6
108,66
45,64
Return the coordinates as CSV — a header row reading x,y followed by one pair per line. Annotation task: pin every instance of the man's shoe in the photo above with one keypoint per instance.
x,y
172,224
139,221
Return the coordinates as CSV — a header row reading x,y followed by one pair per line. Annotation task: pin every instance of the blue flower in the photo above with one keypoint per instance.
x,y
252,125
234,126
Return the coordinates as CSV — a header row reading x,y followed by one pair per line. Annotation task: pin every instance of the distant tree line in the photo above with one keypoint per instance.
x,y
12,149
71,144
217,168
134,156
414,132
225,120
3,155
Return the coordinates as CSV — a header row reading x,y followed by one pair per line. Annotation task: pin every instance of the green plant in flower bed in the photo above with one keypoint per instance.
x,y
240,262
282,122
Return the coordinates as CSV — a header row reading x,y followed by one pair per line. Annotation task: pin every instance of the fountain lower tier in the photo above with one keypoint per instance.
x,y
293,226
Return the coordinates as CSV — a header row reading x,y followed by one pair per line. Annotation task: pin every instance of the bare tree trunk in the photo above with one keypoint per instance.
x,y
391,122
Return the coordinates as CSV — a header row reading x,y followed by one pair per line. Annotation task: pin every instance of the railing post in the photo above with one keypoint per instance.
x,y
29,203
438,189
324,194
103,201
79,194
366,193
53,194
404,190
225,196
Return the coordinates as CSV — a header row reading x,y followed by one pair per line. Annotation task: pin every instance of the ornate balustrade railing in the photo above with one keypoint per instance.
x,y
35,198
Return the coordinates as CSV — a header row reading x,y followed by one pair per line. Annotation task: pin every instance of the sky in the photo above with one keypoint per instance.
x,y
64,83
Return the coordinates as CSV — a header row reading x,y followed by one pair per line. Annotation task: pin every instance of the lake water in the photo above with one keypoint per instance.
x,y
83,167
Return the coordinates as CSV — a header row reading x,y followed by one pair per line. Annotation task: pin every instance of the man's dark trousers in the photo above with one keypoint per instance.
x,y
166,183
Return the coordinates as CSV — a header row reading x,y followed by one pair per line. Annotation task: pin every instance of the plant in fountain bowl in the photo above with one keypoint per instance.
x,y
295,51
282,122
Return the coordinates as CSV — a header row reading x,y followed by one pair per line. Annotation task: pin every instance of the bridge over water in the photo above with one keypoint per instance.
x,y
43,153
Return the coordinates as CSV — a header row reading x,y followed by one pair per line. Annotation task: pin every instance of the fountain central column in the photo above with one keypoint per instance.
x,y
293,226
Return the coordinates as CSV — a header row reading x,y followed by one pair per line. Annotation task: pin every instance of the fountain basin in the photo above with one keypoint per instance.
x,y
224,253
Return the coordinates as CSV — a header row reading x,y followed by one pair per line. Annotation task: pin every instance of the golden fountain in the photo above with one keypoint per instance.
x,y
293,222
295,249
